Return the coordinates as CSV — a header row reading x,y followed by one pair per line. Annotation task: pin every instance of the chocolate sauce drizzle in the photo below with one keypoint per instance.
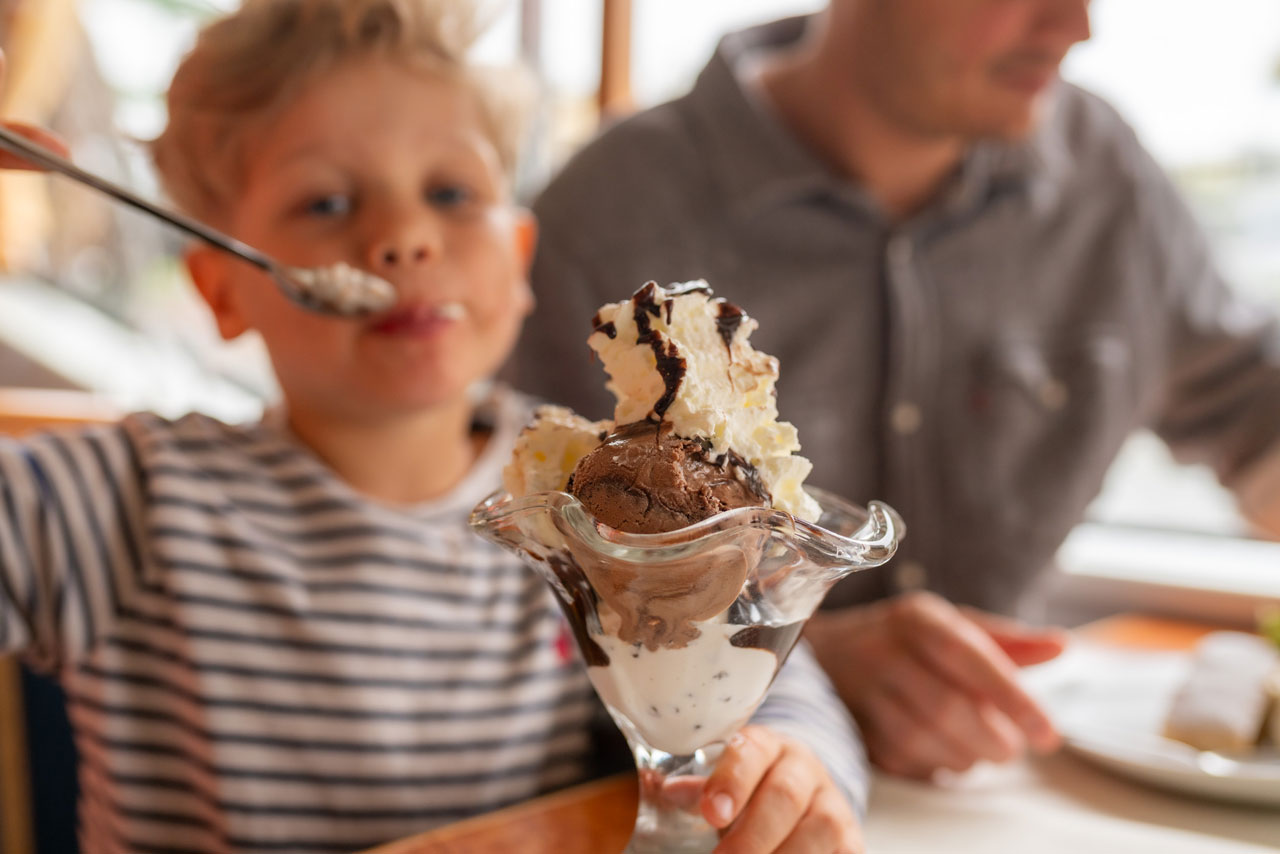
x,y
607,328
742,470
671,365
776,639
578,601
686,288
651,301
728,320
745,472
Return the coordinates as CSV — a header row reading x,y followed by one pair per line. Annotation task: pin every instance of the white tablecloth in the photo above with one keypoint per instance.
x,y
1057,805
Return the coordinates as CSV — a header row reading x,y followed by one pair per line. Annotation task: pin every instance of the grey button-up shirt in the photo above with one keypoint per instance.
x,y
978,366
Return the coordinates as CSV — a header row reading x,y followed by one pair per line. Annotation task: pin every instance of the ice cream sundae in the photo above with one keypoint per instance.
x,y
678,536
695,433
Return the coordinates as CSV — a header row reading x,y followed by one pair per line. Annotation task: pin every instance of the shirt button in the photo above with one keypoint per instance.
x,y
910,575
905,418
1053,394
900,252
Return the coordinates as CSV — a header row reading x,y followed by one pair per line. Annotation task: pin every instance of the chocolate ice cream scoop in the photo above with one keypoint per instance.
x,y
644,479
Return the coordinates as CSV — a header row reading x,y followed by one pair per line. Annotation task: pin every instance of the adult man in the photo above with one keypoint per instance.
x,y
978,285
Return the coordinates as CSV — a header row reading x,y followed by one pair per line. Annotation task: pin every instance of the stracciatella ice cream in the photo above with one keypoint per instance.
x,y
695,433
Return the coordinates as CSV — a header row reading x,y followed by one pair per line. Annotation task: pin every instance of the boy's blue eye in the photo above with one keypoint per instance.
x,y
334,205
448,195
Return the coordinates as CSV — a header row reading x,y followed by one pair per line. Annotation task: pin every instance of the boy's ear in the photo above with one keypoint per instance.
x,y
526,234
211,271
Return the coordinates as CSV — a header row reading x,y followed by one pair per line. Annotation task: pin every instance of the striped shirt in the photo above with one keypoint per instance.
x,y
258,659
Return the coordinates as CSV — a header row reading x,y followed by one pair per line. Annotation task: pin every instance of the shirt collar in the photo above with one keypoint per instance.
x,y
502,411
755,159
759,163
1038,165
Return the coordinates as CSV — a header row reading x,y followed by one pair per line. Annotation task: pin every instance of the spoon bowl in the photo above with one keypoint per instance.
x,y
339,290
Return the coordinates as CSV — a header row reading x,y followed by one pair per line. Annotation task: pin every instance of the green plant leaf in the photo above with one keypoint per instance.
x,y
1269,623
187,8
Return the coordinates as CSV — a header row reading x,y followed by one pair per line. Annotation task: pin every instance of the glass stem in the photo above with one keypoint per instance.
x,y
669,819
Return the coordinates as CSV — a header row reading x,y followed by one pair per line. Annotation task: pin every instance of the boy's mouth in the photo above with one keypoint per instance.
x,y
419,319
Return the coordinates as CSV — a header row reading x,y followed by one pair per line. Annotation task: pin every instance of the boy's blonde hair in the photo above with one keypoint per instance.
x,y
249,64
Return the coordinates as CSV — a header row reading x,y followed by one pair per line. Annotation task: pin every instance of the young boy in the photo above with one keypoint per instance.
x,y
282,636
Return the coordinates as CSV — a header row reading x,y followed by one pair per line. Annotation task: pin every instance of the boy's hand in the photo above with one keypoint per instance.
x,y
934,686
37,135
770,794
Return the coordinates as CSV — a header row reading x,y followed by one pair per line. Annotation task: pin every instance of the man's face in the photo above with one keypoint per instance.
x,y
970,68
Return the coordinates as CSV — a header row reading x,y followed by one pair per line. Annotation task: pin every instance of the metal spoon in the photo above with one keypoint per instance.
x,y
339,290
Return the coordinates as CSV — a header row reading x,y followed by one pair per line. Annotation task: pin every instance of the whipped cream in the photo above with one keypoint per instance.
x,y
548,449
681,355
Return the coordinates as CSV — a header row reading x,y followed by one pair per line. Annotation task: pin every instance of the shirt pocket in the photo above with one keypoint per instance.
x,y
1045,413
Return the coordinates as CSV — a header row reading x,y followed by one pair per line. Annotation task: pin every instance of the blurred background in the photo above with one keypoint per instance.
x,y
92,296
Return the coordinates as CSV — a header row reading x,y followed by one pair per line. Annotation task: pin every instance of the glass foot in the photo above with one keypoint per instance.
x,y
668,820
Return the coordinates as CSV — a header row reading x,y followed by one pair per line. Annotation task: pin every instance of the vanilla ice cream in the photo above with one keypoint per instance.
x,y
548,449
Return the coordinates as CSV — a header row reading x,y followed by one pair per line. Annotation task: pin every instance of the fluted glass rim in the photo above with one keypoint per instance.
x,y
873,543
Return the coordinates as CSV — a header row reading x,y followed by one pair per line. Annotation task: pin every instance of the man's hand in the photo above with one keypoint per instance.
x,y
770,794
934,686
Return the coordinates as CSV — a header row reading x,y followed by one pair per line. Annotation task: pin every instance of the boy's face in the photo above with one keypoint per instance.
x,y
388,169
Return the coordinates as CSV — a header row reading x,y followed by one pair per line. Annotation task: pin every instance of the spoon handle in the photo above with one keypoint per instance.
x,y
42,157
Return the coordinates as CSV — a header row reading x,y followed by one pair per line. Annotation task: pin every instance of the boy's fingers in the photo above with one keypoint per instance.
x,y
776,808
41,137
746,759
684,792
829,825
37,135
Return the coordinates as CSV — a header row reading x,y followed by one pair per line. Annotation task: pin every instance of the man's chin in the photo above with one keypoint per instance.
x,y
1018,122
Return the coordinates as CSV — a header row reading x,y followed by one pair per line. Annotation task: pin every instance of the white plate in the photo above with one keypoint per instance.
x,y
1110,706
1175,766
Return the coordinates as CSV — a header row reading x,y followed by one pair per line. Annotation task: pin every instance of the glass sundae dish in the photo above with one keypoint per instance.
x,y
681,545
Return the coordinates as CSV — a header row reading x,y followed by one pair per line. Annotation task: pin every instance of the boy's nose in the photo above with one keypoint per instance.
x,y
397,256
402,248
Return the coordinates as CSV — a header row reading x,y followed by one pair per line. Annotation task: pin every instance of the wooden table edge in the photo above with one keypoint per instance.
x,y
607,788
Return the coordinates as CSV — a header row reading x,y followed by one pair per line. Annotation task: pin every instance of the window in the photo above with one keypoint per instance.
x,y
1200,82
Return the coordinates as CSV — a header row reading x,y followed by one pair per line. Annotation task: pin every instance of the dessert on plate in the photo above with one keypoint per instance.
x,y
1230,699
